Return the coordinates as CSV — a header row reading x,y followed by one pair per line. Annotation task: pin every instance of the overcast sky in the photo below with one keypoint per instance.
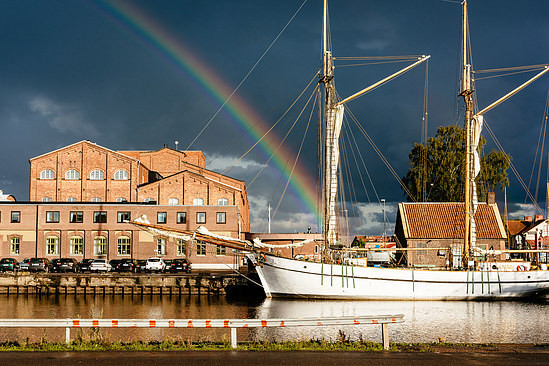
x,y
81,69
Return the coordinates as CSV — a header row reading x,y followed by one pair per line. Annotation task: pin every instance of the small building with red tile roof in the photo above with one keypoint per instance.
x,y
441,225
530,233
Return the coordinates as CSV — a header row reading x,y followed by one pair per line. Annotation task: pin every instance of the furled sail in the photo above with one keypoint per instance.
x,y
476,129
335,119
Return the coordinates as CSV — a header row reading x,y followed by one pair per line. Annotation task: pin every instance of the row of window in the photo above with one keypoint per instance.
x,y
123,246
171,201
72,174
100,217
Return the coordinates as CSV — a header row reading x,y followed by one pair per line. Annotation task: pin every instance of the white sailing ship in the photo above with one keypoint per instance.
x,y
282,277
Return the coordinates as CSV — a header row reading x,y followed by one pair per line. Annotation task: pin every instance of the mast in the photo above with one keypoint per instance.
x,y
330,171
466,93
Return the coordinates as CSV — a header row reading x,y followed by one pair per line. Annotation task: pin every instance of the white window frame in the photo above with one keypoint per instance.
x,y
47,174
52,245
72,174
124,245
15,243
201,248
173,202
223,202
76,245
220,217
71,199
220,250
161,244
199,216
97,174
198,202
121,200
181,248
121,175
100,245
46,199
96,199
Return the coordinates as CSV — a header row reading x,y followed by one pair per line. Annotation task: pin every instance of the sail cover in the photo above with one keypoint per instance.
x,y
334,123
476,130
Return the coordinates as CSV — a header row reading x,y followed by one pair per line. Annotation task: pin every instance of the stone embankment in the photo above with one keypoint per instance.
x,y
120,284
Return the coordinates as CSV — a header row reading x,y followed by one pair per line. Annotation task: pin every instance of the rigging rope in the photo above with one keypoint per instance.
x,y
247,75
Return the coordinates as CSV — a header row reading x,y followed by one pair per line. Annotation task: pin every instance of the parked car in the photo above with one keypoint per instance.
x,y
140,266
24,265
114,264
155,265
40,265
64,265
100,265
178,265
127,265
84,265
9,264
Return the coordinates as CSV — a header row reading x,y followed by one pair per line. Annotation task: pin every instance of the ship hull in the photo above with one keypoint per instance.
x,y
282,277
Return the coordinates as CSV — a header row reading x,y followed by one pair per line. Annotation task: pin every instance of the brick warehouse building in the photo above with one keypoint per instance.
x,y
81,194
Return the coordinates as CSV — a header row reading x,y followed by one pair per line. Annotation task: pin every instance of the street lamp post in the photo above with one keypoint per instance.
x,y
384,232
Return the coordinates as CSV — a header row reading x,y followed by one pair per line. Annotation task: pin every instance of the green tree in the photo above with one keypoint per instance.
x,y
437,170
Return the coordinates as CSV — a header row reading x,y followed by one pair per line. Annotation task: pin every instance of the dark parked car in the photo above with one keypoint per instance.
x,y
140,266
64,265
114,264
9,264
127,265
84,265
40,265
178,265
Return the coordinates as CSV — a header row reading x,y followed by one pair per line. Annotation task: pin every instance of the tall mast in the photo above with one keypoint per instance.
x,y
466,93
330,159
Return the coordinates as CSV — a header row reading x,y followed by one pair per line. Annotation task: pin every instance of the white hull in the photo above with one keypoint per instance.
x,y
282,277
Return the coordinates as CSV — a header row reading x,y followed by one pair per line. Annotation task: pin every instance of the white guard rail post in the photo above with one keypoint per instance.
x,y
233,324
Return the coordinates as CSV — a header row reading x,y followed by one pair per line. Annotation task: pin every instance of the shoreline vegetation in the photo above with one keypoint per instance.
x,y
311,345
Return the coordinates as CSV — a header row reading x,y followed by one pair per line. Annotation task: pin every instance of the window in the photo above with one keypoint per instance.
x,y
223,202
47,174
76,217
148,199
52,216
161,217
100,217
100,245
316,249
123,216
16,216
52,245
161,246
181,247
121,175
121,199
96,199
14,245
198,202
71,199
181,217
46,199
200,217
173,202
124,245
77,245
200,248
221,217
72,175
97,175
220,250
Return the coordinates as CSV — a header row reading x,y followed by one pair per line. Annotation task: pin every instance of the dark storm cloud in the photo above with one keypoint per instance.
x,y
72,71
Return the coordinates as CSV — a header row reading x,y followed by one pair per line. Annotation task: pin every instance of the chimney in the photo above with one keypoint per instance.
x,y
491,198
528,218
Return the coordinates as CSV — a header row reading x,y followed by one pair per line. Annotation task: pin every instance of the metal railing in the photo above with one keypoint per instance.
x,y
233,324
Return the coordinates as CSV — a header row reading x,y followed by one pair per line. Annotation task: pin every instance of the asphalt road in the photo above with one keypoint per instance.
x,y
246,358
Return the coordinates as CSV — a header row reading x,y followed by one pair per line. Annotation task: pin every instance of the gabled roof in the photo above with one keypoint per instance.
x,y
165,179
85,142
445,220
516,227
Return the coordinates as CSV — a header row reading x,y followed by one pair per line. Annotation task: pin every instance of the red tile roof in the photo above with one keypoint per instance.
x,y
436,220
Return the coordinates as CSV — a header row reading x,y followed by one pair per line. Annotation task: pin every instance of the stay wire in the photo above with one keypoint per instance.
x,y
247,75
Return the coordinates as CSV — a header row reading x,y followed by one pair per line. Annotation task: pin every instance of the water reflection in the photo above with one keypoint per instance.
x,y
425,321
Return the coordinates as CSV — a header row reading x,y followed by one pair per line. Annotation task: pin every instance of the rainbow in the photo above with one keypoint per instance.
x,y
302,184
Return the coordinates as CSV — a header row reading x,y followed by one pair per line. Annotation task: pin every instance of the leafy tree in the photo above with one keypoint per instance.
x,y
437,170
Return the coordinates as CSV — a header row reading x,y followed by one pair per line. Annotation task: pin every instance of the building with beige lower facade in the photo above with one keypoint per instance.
x,y
82,194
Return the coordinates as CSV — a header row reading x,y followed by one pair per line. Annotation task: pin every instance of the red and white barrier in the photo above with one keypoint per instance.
x,y
233,324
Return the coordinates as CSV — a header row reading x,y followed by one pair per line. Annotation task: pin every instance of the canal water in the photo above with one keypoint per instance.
x,y
425,321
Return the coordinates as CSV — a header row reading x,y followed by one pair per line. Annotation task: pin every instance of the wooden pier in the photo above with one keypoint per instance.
x,y
124,284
